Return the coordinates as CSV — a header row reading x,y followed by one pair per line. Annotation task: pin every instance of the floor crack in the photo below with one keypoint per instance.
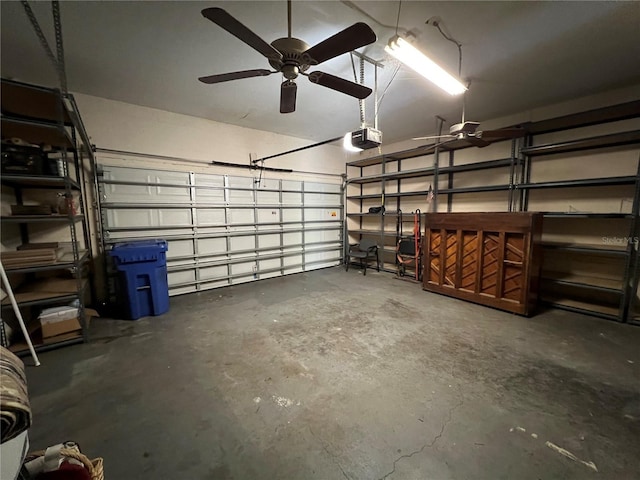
x,y
333,457
431,444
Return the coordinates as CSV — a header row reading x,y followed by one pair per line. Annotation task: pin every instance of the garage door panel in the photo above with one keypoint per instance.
x,y
241,216
320,214
246,242
321,199
208,246
148,217
268,198
214,284
179,248
150,194
133,235
218,272
238,269
268,264
182,290
292,215
205,180
140,175
241,190
290,198
184,276
268,215
267,241
322,236
228,222
211,216
291,260
292,238
322,187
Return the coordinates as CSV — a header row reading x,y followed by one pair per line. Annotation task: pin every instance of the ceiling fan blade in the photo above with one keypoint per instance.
x,y
340,84
225,77
476,141
433,137
455,143
288,91
356,36
221,18
502,133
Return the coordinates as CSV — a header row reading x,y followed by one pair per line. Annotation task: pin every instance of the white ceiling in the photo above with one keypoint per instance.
x,y
518,55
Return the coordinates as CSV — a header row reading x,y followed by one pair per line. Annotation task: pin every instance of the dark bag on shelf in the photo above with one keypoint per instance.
x,y
26,160
376,209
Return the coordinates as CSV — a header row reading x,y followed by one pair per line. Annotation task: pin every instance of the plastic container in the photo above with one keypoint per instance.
x,y
142,270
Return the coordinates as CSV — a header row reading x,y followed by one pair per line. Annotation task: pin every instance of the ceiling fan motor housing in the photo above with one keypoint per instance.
x,y
293,61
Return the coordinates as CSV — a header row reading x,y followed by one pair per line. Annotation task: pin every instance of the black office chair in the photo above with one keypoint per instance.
x,y
365,250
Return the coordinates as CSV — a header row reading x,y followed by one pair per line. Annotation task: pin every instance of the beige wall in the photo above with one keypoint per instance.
x,y
121,126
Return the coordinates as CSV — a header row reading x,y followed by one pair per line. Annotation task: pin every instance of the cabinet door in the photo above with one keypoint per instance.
x,y
492,248
432,257
469,261
515,257
503,258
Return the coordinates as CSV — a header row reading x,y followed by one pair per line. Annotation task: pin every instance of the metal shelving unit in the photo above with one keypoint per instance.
x,y
519,165
45,116
434,172
608,298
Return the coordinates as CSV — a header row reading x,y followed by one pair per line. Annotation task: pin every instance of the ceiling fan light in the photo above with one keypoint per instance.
x,y
419,62
348,145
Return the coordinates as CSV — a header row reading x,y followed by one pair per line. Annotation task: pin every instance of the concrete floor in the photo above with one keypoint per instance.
x,y
331,375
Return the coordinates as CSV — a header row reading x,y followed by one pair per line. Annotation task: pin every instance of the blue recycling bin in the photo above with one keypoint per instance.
x,y
142,268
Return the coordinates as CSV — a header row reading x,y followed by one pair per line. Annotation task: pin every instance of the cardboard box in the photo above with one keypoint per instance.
x,y
51,329
65,328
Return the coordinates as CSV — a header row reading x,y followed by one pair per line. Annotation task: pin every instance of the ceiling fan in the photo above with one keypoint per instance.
x,y
468,132
292,57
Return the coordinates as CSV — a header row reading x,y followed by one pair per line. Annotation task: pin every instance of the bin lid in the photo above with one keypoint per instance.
x,y
139,251
157,244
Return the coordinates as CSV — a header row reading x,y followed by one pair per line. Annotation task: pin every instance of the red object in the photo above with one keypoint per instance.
x,y
67,471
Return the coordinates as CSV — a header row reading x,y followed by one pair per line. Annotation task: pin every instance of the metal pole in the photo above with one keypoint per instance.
x,y
436,165
375,97
16,310
297,149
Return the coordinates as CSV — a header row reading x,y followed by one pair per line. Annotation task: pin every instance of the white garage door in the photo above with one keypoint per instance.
x,y
222,229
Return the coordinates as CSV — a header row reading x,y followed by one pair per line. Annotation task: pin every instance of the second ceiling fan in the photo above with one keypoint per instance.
x,y
467,132
292,57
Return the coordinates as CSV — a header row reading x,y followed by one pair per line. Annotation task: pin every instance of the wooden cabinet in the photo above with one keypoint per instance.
x,y
487,258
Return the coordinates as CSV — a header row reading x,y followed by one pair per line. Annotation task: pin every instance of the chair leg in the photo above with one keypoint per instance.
x,y
364,266
347,263
378,259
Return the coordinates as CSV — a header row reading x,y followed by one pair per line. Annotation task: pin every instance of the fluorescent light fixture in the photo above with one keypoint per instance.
x,y
348,145
418,61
